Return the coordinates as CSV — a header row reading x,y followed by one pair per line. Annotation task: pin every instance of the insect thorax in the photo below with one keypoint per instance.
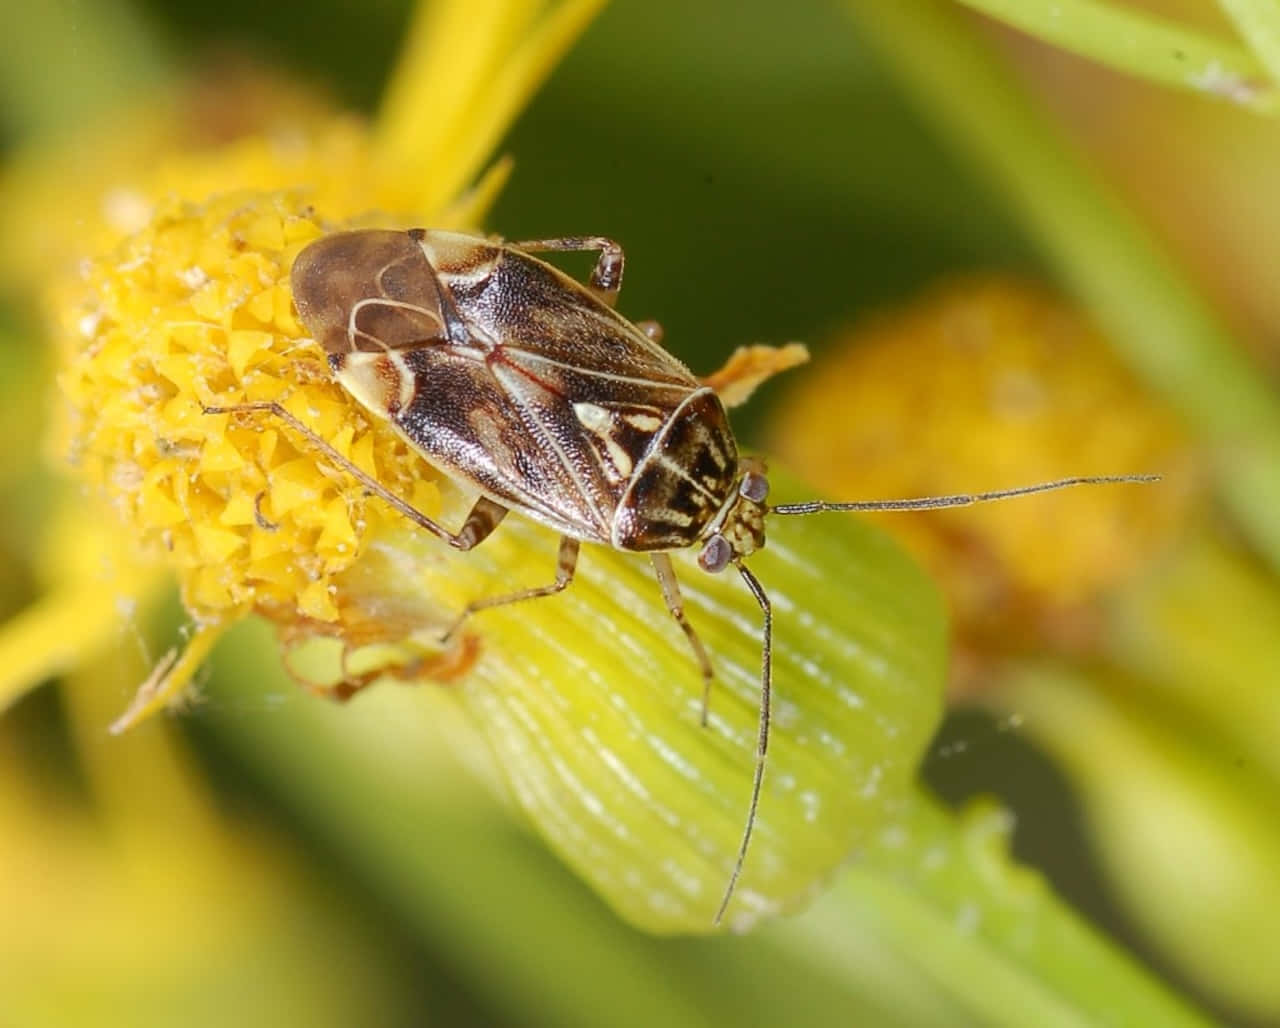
x,y
682,483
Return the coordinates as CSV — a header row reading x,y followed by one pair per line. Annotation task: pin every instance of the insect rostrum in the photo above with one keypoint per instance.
x,y
526,385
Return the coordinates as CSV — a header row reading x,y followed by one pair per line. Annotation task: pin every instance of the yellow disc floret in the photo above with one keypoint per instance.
x,y
194,311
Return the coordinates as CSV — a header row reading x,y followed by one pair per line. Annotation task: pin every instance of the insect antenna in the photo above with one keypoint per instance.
x,y
762,738
958,499
766,608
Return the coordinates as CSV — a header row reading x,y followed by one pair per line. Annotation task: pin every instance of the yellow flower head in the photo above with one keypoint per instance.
x,y
987,384
179,298
192,307
591,702
195,309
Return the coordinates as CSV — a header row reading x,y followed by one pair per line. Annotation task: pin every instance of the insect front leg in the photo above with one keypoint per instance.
x,y
482,520
566,565
650,328
606,277
675,603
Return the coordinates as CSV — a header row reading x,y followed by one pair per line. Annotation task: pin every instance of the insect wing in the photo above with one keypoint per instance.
x,y
596,392
463,419
525,304
370,291
581,394
502,371
657,442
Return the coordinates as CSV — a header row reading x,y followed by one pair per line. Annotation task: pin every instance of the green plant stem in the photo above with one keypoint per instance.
x,y
994,935
933,924
1154,314
1213,665
1259,23
1144,45
1166,798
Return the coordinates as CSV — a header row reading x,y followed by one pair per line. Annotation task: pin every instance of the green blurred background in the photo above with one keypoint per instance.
x,y
769,183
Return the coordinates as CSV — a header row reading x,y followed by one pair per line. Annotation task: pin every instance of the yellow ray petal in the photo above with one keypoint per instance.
x,y
472,207
169,678
515,81
451,48
464,74
60,631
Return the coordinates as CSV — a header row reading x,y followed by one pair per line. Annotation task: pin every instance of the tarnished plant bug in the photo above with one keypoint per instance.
x,y
526,385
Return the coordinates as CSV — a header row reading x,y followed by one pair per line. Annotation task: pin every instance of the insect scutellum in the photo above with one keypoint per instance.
x,y
512,377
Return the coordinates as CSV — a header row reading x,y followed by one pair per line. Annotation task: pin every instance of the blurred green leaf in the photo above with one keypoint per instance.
x,y
1144,45
1190,835
1259,23
66,61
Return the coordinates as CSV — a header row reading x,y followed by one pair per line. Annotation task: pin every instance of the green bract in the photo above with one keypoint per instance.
x,y
591,700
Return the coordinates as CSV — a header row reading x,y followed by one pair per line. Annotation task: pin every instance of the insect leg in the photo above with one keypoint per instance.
x,y
606,278
671,593
566,564
650,328
762,736
482,520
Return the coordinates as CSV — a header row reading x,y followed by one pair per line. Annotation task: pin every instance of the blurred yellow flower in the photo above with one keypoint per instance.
x,y
985,384
1083,614
145,906
82,193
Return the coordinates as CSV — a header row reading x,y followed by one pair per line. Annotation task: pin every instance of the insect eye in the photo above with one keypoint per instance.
x,y
754,487
716,555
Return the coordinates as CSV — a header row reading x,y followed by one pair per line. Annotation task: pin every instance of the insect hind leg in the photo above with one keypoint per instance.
x,y
675,603
482,520
566,565
606,277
